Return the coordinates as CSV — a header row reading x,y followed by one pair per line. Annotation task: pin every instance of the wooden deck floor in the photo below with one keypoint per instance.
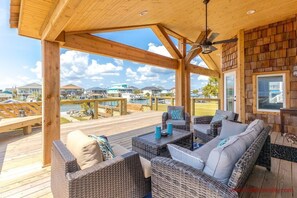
x,y
22,174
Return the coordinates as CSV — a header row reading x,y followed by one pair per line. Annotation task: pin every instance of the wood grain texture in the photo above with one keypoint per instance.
x,y
50,97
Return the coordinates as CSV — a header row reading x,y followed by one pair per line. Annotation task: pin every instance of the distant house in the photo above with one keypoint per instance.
x,y
152,91
95,92
120,88
5,95
71,90
32,90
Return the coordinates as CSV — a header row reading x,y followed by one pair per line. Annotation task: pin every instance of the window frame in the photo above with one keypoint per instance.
x,y
286,92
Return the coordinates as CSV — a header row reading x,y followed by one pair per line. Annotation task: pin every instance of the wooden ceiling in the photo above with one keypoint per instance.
x,y
185,17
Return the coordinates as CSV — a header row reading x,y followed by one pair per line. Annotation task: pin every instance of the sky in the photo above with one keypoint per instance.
x,y
20,61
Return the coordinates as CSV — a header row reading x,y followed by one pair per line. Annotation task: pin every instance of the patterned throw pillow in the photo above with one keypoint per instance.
x,y
176,114
218,118
104,147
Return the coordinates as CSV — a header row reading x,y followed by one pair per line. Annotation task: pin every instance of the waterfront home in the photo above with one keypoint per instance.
x,y
5,95
33,90
95,92
119,88
152,91
71,90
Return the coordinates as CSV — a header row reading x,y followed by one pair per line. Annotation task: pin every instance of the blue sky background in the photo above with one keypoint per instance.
x,y
20,61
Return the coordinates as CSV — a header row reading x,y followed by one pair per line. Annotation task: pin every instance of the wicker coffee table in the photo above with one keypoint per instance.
x,y
148,147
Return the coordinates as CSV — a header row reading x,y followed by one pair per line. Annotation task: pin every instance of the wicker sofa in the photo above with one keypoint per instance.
x,y
171,178
121,176
178,124
206,130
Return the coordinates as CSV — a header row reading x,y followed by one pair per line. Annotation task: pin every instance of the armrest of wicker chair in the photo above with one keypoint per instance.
x,y
202,119
121,176
214,126
171,178
164,119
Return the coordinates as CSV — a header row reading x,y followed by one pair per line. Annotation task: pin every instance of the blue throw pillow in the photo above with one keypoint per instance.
x,y
218,117
104,146
176,114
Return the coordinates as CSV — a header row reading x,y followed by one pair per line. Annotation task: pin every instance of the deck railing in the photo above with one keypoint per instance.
x,y
102,107
199,106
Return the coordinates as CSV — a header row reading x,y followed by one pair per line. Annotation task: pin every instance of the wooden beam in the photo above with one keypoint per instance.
x,y
58,19
93,44
166,40
192,53
240,92
50,97
203,71
112,29
209,62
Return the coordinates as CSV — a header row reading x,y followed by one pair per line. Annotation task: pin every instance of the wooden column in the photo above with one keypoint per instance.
x,y
50,97
221,105
96,109
240,87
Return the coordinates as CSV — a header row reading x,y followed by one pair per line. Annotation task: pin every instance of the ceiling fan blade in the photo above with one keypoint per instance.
x,y
225,41
213,48
194,48
213,36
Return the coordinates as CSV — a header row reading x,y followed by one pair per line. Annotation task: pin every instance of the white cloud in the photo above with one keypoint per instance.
x,y
158,49
203,78
199,62
130,73
103,69
37,70
118,61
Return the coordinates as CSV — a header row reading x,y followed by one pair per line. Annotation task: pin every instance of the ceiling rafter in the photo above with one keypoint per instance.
x,y
203,71
166,41
93,44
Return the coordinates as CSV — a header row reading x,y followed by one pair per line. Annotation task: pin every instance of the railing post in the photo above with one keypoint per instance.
x,y
95,109
219,104
121,106
172,101
193,106
156,104
151,102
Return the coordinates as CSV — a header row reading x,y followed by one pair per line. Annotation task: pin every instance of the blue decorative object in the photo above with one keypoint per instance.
x,y
104,146
169,128
176,114
158,132
223,141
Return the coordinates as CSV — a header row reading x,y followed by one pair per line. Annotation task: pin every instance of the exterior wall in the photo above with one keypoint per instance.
x,y
229,56
267,49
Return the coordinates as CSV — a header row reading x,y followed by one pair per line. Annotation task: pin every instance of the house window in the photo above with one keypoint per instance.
x,y
271,92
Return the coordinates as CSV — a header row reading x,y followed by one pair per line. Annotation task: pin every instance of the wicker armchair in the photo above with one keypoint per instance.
x,y
119,177
205,130
171,178
178,124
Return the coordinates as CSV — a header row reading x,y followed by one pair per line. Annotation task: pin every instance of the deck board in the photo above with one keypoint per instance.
x,y
22,174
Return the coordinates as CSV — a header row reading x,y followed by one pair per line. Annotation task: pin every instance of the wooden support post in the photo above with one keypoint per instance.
x,y
193,106
151,102
180,83
156,103
221,92
240,76
50,97
27,130
96,109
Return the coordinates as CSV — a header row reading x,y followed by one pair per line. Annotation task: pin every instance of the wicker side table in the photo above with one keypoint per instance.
x,y
148,147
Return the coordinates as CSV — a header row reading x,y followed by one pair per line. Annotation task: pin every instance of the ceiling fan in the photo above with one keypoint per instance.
x,y
207,45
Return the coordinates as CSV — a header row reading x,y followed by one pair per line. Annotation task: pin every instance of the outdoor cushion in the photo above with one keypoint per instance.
x,y
230,128
176,114
176,122
185,156
257,124
218,117
146,164
84,149
104,147
248,136
222,159
230,115
204,150
203,128
170,108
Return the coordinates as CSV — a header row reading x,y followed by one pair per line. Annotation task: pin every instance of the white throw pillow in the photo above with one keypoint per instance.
x,y
257,124
222,159
85,149
188,157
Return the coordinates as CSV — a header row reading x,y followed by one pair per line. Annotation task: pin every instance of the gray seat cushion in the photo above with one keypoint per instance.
x,y
204,150
203,128
176,122
230,115
230,128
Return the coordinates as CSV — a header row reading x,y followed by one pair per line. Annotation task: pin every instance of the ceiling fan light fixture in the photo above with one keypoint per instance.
x,y
206,49
250,12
